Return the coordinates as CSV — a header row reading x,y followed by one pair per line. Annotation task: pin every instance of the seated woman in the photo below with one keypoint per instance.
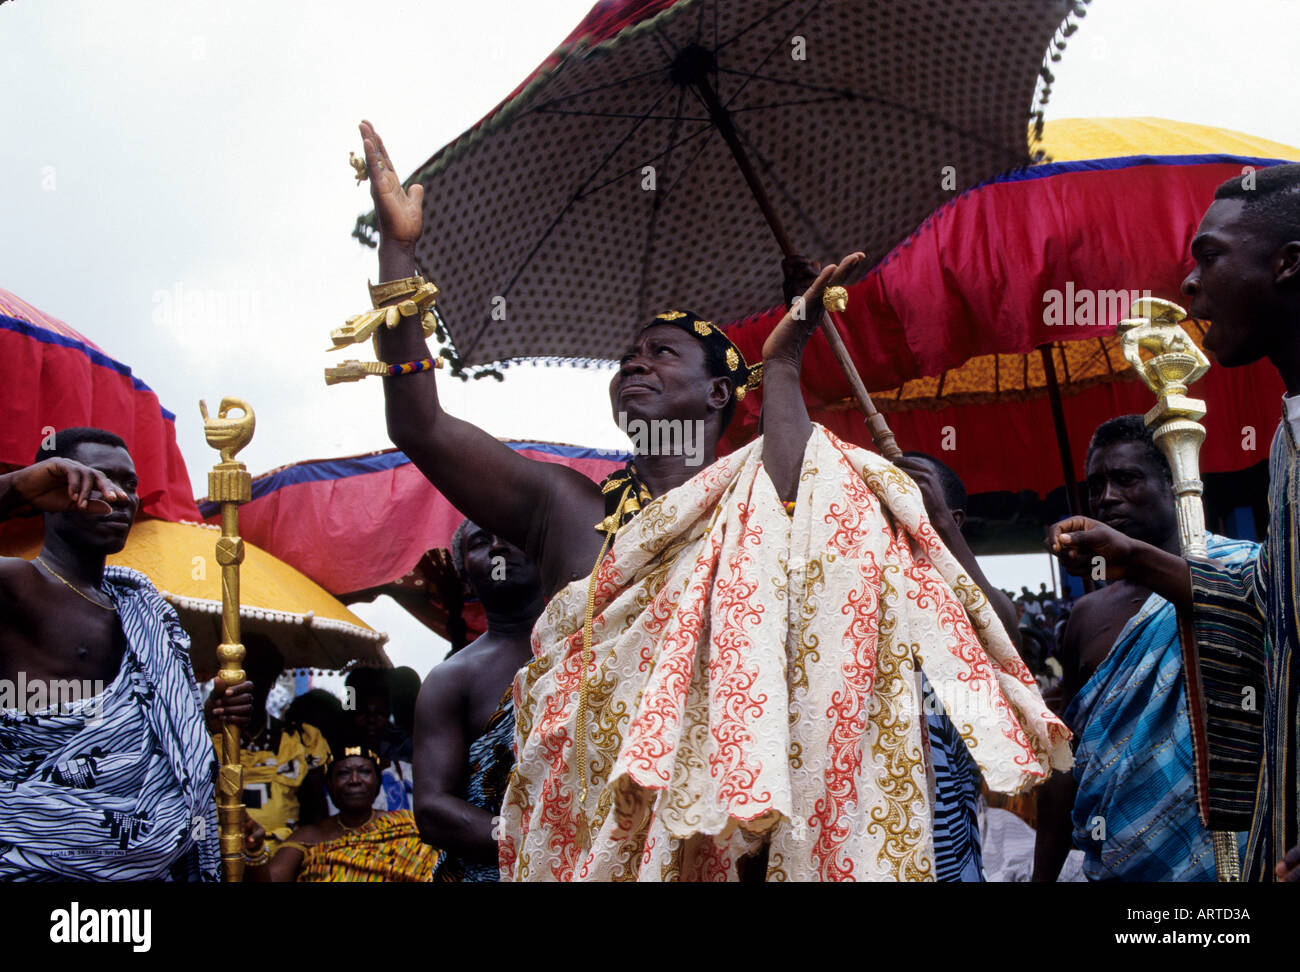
x,y
358,843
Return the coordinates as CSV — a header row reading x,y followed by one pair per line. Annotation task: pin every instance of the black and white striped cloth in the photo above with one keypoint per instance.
x,y
957,851
120,786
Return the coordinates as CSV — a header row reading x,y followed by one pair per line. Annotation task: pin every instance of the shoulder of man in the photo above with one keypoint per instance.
x,y
17,575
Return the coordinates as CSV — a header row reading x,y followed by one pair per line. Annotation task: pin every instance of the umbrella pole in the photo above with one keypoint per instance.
x,y
879,428
1062,434
230,484
1175,424
1072,498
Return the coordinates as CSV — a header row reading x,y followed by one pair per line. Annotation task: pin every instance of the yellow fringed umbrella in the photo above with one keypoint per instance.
x,y
310,627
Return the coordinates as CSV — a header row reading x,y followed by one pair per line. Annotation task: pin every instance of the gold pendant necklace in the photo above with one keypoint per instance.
x,y
81,594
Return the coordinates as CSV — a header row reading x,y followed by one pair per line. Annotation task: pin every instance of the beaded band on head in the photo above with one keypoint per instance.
x,y
743,376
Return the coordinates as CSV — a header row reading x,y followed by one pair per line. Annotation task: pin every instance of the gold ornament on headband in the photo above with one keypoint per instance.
x,y
670,316
835,299
362,751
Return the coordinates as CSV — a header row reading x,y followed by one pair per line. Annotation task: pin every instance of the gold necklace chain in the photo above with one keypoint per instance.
x,y
345,827
59,577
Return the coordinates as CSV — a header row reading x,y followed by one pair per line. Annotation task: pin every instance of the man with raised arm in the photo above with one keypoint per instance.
x,y
729,664
1246,283
465,714
117,783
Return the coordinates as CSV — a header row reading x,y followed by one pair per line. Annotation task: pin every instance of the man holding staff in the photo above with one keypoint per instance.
x,y
1246,282
117,785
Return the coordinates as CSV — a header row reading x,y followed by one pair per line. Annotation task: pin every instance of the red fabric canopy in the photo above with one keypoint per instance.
x,y
976,279
361,522
54,378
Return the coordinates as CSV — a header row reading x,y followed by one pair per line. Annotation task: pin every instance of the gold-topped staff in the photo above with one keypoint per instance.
x,y
1174,421
230,484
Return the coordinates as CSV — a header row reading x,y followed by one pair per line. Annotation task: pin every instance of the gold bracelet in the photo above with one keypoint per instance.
x,y
402,302
353,370
382,293
258,858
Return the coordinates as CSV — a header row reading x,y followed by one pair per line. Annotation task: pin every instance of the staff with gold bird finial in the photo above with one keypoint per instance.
x,y
230,484
1174,363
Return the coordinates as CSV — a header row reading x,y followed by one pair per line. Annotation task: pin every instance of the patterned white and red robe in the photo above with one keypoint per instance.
x,y
756,677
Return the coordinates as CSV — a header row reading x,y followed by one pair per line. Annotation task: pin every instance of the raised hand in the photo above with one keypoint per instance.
x,y
400,211
788,338
65,485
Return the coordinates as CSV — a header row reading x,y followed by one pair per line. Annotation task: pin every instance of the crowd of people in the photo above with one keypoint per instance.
x,y
784,663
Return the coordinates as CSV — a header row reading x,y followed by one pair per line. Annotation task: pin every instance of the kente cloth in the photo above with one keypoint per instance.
x,y
275,765
756,676
1135,815
957,851
1245,620
388,848
491,757
117,787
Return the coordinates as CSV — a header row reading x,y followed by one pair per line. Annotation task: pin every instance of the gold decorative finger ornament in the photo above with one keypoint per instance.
x,y
835,299
358,168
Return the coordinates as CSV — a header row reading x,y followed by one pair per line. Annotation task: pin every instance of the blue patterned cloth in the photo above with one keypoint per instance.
x,y
1135,815
957,851
119,786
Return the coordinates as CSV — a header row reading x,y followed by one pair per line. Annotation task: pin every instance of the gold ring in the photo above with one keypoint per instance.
x,y
835,299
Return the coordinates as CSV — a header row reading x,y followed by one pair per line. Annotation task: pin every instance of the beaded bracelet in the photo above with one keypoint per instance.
x,y
352,370
411,367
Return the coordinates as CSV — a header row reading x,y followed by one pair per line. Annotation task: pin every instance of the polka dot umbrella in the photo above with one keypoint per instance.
x,y
613,183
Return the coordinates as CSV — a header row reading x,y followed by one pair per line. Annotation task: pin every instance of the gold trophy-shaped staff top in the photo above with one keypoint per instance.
x,y
225,434
1175,360
1174,363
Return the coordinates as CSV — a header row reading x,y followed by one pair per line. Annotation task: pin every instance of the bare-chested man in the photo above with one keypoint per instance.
x,y
106,769
464,720
1130,803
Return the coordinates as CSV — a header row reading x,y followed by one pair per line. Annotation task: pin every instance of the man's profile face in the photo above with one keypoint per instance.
x,y
1231,285
662,375
103,533
1127,492
492,564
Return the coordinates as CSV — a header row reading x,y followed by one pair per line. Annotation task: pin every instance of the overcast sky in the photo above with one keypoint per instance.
x,y
176,186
